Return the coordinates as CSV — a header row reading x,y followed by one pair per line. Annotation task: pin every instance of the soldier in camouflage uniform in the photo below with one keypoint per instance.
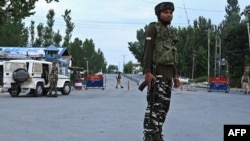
x,y
159,52
53,77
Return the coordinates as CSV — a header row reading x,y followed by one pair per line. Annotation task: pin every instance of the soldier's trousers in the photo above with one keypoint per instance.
x,y
53,84
161,101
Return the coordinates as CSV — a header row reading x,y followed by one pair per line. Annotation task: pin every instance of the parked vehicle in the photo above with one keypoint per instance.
x,y
31,76
184,80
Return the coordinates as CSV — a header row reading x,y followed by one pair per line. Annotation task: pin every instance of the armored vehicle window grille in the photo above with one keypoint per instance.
x,y
37,68
10,66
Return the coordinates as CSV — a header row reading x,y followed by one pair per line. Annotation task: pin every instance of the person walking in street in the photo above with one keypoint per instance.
x,y
118,80
160,58
245,82
53,78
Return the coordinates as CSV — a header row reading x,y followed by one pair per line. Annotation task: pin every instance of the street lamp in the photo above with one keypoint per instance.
x,y
224,63
246,13
123,61
87,61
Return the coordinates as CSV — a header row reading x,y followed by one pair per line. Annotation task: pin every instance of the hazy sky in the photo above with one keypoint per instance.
x,y
113,23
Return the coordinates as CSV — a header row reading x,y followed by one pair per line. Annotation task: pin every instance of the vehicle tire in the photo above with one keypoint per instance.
x,y
20,75
66,89
39,91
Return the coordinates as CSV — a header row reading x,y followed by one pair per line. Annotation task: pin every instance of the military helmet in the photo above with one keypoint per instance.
x,y
163,6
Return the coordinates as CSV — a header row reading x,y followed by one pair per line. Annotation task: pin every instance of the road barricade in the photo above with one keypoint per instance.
x,y
95,81
218,84
78,84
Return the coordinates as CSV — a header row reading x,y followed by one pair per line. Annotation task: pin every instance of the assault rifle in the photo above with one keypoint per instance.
x,y
151,92
142,86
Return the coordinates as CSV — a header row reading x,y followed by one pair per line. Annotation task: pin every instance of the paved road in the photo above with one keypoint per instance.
x,y
117,115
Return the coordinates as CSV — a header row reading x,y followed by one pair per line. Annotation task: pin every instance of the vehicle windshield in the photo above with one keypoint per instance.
x,y
11,66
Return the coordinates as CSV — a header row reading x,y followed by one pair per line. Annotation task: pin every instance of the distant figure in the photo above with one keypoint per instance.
x,y
245,82
53,77
118,80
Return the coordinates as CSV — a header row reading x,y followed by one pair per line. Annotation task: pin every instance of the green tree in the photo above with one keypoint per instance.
x,y
137,47
128,68
17,9
96,60
57,38
40,36
76,50
48,32
12,12
99,61
237,52
233,38
69,28
32,32
232,16
112,68
13,33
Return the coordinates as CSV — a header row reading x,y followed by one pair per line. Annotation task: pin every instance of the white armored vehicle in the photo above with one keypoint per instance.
x,y
31,77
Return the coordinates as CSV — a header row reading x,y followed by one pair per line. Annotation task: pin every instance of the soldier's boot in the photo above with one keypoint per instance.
x,y
158,137
55,94
50,93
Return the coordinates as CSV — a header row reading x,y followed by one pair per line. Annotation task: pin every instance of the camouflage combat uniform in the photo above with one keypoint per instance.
x,y
118,80
158,40
53,78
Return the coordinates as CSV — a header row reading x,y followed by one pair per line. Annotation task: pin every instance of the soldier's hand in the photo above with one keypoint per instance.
x,y
149,77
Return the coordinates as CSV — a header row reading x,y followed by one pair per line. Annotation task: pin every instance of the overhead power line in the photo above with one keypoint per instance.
x,y
186,13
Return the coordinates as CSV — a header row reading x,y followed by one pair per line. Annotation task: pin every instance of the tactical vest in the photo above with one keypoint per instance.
x,y
54,73
165,52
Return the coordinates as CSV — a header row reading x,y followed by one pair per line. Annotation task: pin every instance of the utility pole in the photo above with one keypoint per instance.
x,y
219,62
246,13
124,60
208,55
193,65
217,56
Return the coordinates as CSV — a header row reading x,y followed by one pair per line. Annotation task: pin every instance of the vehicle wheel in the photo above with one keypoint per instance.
x,y
20,75
66,89
39,91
